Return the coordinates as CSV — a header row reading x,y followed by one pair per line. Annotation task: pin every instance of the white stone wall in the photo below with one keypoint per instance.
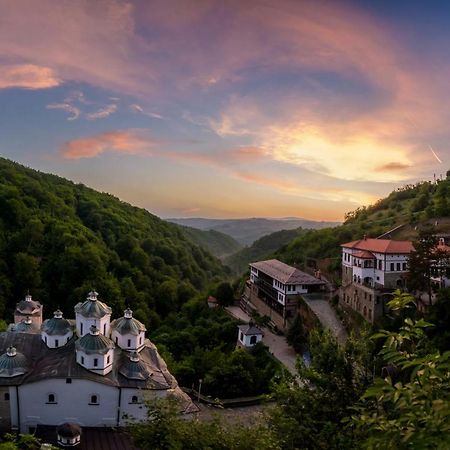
x,y
51,341
128,341
245,340
83,324
72,403
103,366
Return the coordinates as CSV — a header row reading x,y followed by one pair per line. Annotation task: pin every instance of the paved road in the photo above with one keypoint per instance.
x,y
277,344
327,316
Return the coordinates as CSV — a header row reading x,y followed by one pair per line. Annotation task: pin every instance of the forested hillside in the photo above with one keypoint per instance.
x,y
59,240
217,243
260,249
403,211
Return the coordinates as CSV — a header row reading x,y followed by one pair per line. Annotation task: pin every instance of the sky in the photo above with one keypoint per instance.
x,y
226,109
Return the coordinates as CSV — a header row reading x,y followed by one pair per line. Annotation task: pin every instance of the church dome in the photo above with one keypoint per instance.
x,y
12,363
133,368
94,342
57,325
128,324
25,326
92,308
28,306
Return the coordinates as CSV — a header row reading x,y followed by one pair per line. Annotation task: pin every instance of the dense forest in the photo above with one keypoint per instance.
x,y
59,240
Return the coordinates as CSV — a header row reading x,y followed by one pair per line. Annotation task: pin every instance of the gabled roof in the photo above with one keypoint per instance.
x,y
284,273
381,246
250,329
364,254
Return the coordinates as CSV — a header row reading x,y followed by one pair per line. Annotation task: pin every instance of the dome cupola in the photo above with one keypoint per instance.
x,y
12,363
90,310
134,368
127,332
24,326
95,351
28,308
57,331
68,434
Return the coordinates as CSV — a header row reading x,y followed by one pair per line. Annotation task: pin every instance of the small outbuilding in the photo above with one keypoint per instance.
x,y
249,335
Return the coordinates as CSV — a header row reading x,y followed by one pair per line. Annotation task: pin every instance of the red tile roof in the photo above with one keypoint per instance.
x,y
381,245
364,254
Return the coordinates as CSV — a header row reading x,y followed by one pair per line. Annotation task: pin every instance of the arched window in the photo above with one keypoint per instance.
x,y
51,398
134,399
94,399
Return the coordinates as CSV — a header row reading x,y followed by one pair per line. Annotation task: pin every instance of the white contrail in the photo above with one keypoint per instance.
x,y
434,154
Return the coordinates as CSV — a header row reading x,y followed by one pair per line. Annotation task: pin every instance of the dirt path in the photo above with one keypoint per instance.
x,y
277,344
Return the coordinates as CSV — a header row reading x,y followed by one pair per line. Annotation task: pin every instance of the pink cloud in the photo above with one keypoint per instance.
x,y
128,142
27,76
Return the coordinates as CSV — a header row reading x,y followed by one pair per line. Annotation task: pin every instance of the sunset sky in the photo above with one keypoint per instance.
x,y
241,108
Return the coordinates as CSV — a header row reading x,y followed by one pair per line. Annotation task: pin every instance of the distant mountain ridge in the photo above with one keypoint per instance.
x,y
247,231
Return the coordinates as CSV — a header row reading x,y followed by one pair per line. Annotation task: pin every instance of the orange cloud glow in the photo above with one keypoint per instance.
x,y
127,142
27,76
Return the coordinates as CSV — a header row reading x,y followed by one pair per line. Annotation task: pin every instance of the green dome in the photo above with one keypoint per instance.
x,y
25,326
134,369
128,324
94,342
57,325
92,307
12,363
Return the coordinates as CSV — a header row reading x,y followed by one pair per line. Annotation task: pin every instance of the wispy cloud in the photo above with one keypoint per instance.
x,y
67,107
119,141
27,76
102,112
139,109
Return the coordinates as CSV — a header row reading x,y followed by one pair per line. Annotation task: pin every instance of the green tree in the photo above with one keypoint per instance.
x,y
224,294
410,407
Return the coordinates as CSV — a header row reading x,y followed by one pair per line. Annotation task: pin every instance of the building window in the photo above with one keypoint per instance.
x,y
94,399
129,343
398,267
134,399
104,329
241,336
81,328
252,340
82,360
140,340
392,267
117,340
380,264
51,398
95,362
108,359
404,266
69,380
6,396
56,343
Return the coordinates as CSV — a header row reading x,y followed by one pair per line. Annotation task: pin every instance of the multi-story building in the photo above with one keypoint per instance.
x,y
274,288
371,269
87,372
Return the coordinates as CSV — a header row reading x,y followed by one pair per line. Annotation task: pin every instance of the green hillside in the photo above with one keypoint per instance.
x,y
59,240
260,249
398,216
217,243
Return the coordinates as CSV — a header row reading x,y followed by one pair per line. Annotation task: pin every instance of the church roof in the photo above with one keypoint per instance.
x,y
12,363
128,324
28,306
134,368
24,326
92,308
94,342
57,325
250,329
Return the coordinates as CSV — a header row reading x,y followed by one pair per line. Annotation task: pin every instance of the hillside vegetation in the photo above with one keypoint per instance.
x,y
404,211
219,244
59,240
260,249
246,231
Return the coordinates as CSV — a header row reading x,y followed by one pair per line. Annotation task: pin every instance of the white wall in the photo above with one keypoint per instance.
x,y
136,342
51,340
103,366
102,324
245,340
72,403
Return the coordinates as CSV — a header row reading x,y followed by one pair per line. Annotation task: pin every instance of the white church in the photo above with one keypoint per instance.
x,y
89,372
